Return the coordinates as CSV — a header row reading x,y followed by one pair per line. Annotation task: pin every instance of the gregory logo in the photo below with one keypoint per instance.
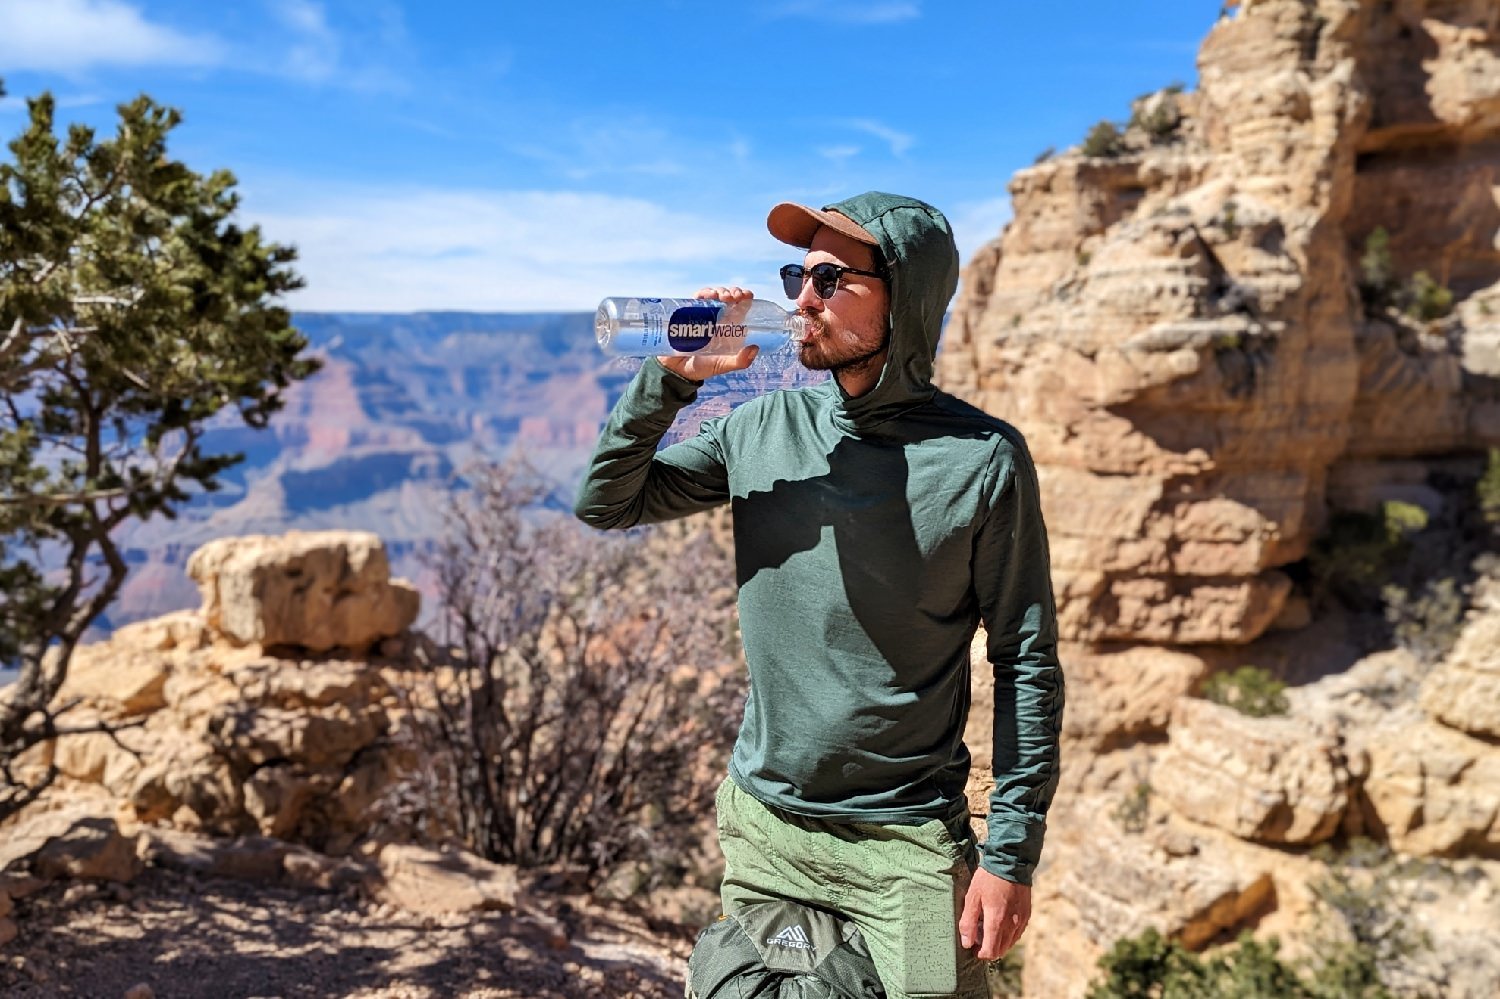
x,y
794,937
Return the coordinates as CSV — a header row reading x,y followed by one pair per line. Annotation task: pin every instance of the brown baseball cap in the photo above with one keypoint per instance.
x,y
796,225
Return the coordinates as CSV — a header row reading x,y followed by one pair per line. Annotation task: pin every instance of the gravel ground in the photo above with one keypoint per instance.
x,y
188,937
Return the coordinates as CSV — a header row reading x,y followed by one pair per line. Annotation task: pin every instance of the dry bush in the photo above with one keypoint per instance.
x,y
594,691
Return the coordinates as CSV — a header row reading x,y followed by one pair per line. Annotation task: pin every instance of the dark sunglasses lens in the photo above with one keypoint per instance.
x,y
825,278
791,280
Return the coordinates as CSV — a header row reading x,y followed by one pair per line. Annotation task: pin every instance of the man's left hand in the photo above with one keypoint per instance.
x,y
996,912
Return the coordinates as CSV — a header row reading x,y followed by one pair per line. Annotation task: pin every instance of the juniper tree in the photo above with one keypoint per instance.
x,y
133,310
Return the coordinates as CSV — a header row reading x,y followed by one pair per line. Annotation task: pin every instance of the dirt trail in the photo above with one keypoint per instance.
x,y
190,937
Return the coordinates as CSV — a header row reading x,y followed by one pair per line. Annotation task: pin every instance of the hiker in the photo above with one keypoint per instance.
x,y
877,522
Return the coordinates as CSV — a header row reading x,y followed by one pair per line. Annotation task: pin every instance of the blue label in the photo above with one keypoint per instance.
x,y
691,327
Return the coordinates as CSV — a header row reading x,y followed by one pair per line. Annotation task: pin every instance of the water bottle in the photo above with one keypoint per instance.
x,y
663,327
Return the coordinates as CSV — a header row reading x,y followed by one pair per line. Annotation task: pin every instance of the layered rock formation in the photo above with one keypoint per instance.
x,y
1209,349
1179,330
262,712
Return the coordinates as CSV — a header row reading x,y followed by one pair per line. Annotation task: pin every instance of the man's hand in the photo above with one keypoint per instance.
x,y
699,366
996,912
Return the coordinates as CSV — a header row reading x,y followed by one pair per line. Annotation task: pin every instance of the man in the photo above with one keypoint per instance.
x,y
877,522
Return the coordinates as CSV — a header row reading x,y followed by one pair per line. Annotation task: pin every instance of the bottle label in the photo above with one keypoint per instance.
x,y
691,327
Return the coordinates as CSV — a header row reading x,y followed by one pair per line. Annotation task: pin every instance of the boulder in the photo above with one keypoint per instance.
x,y
91,848
431,882
1463,691
315,590
1435,791
1275,780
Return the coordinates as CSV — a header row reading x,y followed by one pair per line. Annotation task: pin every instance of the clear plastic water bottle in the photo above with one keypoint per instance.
x,y
662,327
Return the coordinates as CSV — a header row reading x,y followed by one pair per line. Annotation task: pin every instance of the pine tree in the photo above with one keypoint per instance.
x,y
133,309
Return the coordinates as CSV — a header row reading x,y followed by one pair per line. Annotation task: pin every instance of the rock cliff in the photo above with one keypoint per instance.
x,y
1178,327
1266,300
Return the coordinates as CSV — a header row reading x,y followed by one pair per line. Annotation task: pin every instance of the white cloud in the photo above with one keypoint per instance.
x,y
975,223
899,142
847,12
401,249
314,54
70,36
838,154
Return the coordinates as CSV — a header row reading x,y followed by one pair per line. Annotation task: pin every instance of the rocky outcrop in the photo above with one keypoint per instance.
x,y
312,590
1179,329
1273,780
250,730
1463,692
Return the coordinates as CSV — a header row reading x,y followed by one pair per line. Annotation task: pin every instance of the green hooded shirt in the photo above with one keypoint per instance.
x,y
872,534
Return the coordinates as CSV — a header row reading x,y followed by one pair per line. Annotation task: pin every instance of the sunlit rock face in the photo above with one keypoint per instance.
x,y
1179,329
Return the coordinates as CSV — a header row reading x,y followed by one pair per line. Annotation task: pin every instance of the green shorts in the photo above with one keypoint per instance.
x,y
902,885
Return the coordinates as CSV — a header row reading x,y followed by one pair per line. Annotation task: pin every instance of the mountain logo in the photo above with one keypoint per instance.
x,y
792,936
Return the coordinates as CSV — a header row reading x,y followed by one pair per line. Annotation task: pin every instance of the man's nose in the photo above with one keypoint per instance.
x,y
807,299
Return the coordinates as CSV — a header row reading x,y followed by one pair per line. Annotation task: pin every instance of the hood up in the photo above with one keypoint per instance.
x,y
917,245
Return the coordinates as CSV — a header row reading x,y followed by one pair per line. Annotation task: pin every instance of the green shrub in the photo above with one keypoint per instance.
x,y
1356,555
1045,155
1364,935
1103,140
1377,275
1134,809
1428,624
1227,220
1161,121
1152,966
1250,690
1426,300
1487,490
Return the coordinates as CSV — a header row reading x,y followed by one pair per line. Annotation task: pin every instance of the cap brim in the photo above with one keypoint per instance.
x,y
796,225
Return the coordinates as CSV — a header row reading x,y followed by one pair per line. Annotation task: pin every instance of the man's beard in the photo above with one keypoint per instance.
x,y
848,360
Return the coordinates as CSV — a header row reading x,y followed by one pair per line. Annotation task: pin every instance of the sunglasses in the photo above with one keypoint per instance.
x,y
825,278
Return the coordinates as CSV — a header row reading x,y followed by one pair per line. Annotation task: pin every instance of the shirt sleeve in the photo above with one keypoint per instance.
x,y
628,481
1013,581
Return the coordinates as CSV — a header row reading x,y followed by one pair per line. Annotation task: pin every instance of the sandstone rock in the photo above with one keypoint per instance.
x,y
92,849
315,590
1173,331
1436,791
28,832
1125,693
1268,779
6,905
140,991
117,678
8,931
427,881
255,859
1108,885
1464,690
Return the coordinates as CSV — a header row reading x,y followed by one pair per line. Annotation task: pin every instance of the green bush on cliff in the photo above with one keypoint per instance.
x,y
1358,551
1250,690
1487,490
1425,300
1426,623
1420,297
1103,140
1149,965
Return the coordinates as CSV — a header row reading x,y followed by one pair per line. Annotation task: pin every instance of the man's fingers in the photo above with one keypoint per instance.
x,y
968,923
994,926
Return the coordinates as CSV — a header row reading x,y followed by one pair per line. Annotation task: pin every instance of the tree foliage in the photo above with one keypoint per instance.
x,y
133,310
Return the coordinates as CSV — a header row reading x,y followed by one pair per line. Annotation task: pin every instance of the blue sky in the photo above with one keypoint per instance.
x,y
510,156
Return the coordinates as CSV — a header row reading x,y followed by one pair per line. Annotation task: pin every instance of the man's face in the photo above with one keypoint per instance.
x,y
846,333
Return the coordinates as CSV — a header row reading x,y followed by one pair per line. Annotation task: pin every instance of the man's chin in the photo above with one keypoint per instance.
x,y
814,361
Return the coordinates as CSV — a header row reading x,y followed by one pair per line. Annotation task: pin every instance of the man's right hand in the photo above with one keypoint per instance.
x,y
698,366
